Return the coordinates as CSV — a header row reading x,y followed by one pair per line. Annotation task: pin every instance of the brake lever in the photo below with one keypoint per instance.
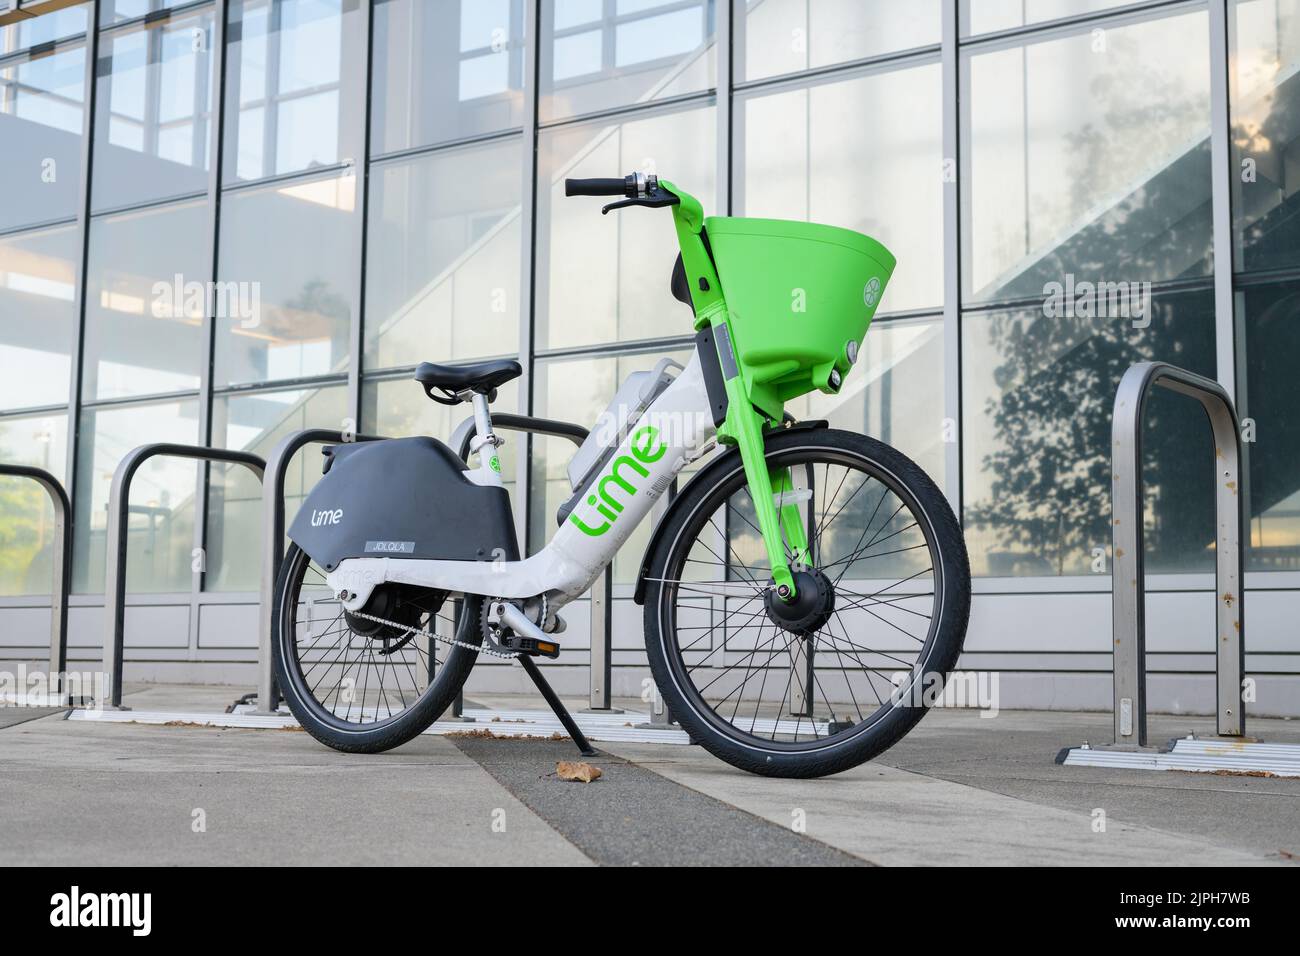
x,y
660,197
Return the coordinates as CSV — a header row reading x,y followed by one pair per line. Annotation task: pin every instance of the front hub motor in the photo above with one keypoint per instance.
x,y
813,603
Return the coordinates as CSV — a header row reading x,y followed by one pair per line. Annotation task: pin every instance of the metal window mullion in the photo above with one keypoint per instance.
x,y
361,185
217,70
951,166
1221,196
526,294
77,351
723,32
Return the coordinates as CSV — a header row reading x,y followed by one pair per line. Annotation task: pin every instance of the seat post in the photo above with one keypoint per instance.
x,y
485,442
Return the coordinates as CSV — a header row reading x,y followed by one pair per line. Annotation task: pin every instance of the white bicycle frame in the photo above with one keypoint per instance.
x,y
675,430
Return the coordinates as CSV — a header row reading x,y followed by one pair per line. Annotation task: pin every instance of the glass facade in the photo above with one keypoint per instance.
x,y
291,203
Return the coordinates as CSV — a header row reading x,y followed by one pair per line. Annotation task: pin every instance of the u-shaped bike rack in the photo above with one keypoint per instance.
x,y
115,567
1128,589
62,570
273,556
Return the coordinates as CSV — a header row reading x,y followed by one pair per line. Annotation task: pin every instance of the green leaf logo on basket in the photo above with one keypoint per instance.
x,y
871,293
646,448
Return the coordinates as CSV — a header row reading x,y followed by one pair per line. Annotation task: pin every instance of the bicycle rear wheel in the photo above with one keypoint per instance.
x,y
357,685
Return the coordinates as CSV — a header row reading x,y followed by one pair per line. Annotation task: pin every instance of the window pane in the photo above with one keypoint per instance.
x,y
40,127
987,16
287,280
890,393
295,74
115,11
256,422
160,537
152,112
443,256
805,157
634,53
605,278
786,36
1038,393
1269,318
578,390
43,29
145,302
1264,56
445,70
27,535
1088,155
37,282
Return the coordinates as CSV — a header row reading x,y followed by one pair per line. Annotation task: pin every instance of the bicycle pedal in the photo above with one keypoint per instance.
x,y
530,646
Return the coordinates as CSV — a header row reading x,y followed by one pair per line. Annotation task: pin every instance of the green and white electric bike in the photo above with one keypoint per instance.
x,y
801,592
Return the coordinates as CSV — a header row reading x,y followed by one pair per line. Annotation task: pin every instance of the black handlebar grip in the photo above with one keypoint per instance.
x,y
596,187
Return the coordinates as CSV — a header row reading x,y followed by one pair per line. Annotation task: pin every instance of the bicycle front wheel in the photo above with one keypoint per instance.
x,y
840,675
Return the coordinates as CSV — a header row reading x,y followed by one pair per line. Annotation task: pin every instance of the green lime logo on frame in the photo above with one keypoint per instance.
x,y
646,448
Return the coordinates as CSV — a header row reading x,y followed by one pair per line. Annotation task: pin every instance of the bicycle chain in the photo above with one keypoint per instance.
x,y
425,632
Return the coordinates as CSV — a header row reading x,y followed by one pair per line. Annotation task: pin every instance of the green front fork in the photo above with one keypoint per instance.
x,y
784,535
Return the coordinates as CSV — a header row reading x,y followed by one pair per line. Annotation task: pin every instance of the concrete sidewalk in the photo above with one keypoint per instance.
x,y
958,790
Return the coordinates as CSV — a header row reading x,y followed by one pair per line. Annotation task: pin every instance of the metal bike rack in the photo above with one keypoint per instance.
x,y
1230,751
268,695
1129,589
602,591
115,568
62,566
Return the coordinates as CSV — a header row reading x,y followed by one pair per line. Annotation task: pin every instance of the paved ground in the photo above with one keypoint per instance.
x,y
959,789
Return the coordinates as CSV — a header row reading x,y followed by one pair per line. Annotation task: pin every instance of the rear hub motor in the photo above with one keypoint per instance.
x,y
813,604
386,601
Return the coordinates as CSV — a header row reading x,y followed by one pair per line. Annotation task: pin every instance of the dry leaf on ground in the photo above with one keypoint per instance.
x,y
576,770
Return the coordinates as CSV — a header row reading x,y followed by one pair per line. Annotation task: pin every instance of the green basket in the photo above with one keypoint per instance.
x,y
798,294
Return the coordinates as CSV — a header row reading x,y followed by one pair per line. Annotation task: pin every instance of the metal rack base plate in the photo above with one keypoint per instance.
x,y
1193,755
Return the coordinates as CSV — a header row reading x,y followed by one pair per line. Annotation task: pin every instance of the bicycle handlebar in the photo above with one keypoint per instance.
x,y
601,187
